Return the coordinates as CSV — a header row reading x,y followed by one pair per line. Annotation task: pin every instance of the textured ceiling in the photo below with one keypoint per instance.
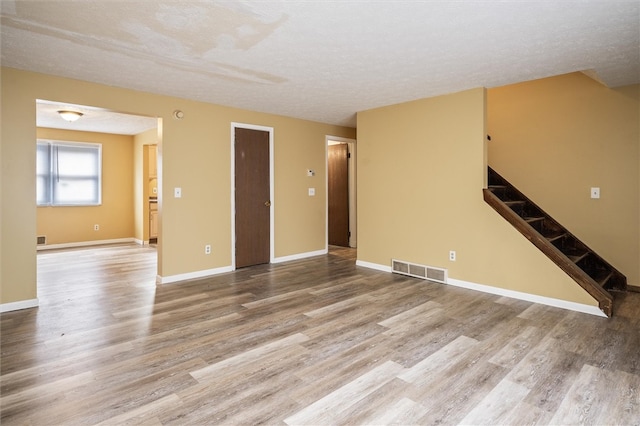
x,y
320,60
93,119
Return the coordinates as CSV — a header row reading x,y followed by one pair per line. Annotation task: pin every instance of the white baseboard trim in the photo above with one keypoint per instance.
x,y
86,243
16,306
193,275
225,269
299,256
543,300
375,266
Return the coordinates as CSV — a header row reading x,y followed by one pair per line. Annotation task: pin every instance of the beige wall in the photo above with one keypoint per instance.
x,y
421,171
124,200
556,138
115,215
195,154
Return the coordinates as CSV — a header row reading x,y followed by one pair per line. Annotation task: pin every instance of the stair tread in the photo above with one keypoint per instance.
x,y
534,219
602,280
556,240
575,258
555,236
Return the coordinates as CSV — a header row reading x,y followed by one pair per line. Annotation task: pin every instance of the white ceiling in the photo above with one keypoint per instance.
x,y
320,60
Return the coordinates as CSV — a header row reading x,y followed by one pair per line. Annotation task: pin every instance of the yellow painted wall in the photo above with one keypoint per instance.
x,y
18,226
556,138
195,154
421,171
115,215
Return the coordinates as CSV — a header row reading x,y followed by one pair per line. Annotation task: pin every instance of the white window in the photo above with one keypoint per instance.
x,y
68,174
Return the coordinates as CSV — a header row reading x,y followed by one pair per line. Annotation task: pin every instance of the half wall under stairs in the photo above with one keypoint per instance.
x,y
581,263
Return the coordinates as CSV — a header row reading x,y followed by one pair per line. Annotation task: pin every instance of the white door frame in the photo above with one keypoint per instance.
x,y
235,126
353,223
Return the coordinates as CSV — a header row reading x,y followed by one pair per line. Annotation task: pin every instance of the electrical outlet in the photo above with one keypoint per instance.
x,y
207,249
96,227
452,255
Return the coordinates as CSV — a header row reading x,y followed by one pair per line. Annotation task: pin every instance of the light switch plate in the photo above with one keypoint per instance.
x,y
177,192
312,192
595,192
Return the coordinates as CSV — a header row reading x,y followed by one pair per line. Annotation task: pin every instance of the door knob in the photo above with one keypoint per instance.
x,y
267,203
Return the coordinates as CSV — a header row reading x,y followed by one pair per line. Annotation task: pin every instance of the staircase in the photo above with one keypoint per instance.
x,y
581,263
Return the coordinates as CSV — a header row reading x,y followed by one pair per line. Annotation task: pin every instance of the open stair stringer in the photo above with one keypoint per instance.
x,y
582,264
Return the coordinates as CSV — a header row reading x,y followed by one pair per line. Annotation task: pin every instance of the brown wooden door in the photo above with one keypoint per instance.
x,y
338,177
252,197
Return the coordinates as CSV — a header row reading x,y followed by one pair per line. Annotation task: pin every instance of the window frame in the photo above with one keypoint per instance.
x,y
52,150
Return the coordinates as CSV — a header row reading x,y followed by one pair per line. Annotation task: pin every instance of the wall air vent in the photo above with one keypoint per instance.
x,y
419,271
41,240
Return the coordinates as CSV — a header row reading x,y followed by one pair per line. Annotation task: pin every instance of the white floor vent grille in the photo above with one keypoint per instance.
x,y
419,271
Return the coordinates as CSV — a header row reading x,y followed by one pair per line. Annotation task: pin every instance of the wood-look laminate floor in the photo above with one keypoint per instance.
x,y
315,341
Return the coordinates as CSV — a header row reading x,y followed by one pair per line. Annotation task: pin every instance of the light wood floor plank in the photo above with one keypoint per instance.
x,y
497,405
421,311
328,409
311,341
518,347
597,396
420,373
403,412
249,355
145,414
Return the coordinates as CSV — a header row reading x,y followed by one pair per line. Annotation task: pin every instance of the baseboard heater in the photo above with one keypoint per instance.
x,y
425,272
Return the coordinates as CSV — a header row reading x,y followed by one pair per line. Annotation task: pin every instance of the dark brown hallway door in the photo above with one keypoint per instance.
x,y
252,201
338,193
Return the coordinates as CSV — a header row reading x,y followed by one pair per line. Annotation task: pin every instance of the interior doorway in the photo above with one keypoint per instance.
x,y
338,194
105,223
252,195
341,192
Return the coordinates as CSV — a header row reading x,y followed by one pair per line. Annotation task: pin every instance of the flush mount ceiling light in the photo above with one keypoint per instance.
x,y
70,116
